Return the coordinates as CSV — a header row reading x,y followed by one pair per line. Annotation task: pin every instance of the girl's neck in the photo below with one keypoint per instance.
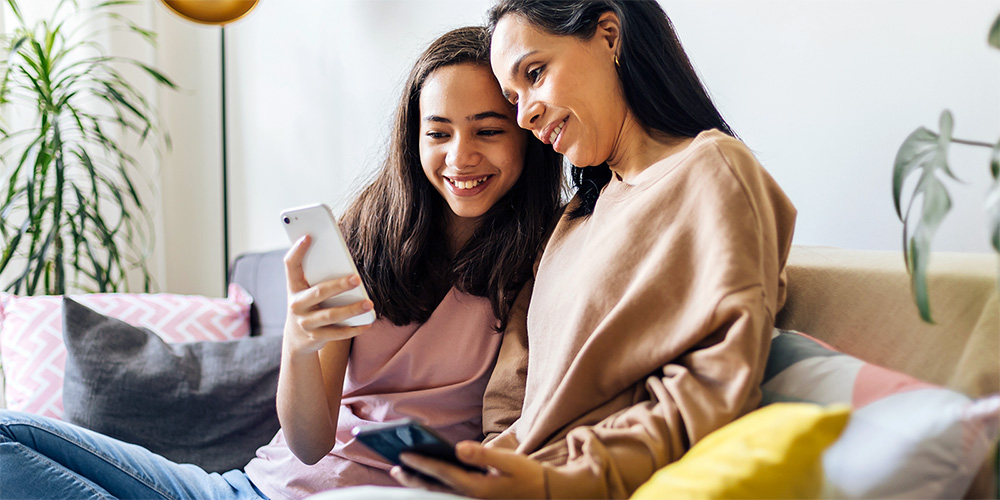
x,y
636,148
458,231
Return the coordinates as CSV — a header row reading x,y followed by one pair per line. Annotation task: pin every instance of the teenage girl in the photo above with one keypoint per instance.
x,y
444,240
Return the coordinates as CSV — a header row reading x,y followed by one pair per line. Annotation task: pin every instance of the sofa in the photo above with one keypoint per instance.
x,y
853,302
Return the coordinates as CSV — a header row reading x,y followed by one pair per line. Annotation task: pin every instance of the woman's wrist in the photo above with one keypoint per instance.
x,y
570,481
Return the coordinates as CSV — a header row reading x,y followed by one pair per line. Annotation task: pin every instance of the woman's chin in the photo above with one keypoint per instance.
x,y
581,159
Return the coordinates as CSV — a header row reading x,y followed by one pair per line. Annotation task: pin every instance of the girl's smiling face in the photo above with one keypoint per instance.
x,y
566,89
471,149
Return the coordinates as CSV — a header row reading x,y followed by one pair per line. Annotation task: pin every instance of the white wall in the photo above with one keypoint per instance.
x,y
823,91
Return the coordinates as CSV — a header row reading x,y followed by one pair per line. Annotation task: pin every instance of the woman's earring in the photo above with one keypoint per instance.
x,y
616,61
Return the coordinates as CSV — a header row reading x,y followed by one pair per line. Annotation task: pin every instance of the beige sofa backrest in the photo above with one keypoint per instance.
x,y
860,302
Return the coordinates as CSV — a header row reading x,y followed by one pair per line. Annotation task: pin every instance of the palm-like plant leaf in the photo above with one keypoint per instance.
x,y
72,211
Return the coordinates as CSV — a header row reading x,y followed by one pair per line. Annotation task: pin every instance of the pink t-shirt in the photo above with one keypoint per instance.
x,y
435,372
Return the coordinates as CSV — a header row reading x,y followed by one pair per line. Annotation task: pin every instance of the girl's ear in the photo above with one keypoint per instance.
x,y
609,30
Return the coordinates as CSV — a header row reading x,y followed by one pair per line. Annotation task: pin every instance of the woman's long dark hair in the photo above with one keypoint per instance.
x,y
661,87
395,227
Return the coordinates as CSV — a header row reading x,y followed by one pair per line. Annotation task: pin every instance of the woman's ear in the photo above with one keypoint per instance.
x,y
609,30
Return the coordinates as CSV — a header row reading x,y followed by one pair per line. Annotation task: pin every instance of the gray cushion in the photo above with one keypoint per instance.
x,y
207,403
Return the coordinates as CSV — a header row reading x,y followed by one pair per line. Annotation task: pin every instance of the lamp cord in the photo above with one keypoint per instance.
x,y
225,172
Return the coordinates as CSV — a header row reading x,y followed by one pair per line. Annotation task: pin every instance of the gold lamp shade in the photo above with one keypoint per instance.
x,y
211,11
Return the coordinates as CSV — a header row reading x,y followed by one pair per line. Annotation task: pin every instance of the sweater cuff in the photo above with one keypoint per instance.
x,y
571,481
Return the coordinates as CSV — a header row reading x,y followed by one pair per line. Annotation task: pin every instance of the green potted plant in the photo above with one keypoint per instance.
x,y
71,213
925,153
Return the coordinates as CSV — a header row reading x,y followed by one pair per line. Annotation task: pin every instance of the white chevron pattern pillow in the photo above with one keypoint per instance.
x,y
31,338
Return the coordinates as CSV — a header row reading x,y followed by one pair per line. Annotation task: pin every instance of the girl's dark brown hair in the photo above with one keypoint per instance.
x,y
395,229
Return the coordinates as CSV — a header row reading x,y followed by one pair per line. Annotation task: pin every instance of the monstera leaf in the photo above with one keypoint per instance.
x,y
924,153
994,37
993,198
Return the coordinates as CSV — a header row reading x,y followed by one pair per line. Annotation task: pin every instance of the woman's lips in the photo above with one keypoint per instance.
x,y
558,135
467,186
555,132
552,133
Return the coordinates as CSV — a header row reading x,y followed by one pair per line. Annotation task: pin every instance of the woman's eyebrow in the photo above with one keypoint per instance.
x,y
517,63
476,117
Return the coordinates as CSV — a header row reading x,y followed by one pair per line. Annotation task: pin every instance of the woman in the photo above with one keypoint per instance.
x,y
444,239
678,236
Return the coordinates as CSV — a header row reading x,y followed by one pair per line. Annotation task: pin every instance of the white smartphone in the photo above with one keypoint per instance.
x,y
327,257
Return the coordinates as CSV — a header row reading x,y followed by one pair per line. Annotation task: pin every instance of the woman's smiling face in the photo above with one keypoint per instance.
x,y
471,149
566,89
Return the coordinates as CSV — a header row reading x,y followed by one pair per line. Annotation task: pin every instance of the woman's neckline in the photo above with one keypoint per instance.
x,y
618,188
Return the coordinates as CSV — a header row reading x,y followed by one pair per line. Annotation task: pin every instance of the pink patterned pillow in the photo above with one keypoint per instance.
x,y
31,339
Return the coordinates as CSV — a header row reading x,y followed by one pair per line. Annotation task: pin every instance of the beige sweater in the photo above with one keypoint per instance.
x,y
649,322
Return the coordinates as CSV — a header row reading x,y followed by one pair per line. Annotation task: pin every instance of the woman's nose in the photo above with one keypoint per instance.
x,y
463,153
528,114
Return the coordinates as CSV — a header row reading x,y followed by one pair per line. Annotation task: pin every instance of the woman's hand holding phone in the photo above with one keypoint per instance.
x,y
511,474
309,325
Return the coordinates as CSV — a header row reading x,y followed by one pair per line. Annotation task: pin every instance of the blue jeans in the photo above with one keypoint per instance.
x,y
46,458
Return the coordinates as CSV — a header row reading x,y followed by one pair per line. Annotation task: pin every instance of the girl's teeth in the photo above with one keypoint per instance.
x,y
555,133
467,184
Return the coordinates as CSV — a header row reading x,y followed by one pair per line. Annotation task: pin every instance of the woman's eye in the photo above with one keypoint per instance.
x,y
534,74
436,135
490,133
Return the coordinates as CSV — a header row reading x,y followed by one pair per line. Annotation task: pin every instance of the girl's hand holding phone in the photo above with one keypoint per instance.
x,y
309,325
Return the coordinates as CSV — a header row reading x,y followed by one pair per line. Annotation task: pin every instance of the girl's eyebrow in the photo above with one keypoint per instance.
x,y
476,117
487,114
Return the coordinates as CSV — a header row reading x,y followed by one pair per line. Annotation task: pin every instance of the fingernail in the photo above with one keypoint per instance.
x,y
368,305
354,280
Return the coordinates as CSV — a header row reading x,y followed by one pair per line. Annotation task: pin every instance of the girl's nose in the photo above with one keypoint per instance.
x,y
463,153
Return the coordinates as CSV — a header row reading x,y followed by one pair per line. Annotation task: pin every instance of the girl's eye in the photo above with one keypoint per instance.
x,y
436,135
490,133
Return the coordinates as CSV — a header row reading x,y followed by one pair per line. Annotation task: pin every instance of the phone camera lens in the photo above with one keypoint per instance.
x,y
287,220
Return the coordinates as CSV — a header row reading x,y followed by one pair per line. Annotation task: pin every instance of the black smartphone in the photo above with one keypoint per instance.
x,y
389,439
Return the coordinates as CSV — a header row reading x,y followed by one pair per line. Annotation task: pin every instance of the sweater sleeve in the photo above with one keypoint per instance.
x,y
689,360
704,389
505,391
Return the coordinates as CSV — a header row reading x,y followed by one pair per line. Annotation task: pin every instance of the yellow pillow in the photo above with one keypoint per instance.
x,y
773,452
